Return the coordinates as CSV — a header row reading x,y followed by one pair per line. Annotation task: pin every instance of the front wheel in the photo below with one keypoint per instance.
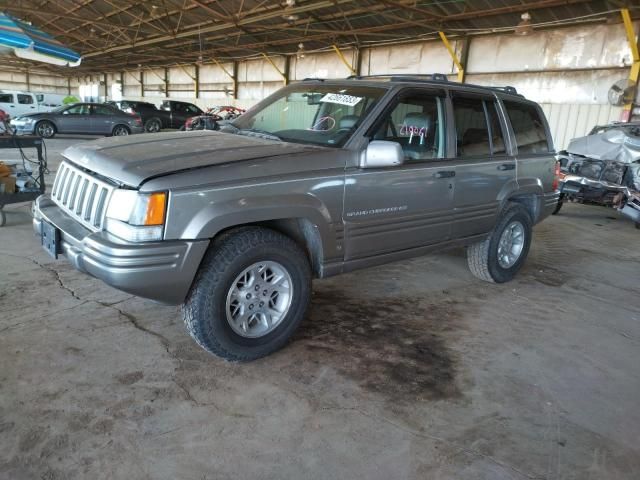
x,y
499,257
250,294
45,129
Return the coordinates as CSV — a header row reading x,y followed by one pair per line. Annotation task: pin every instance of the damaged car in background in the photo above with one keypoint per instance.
x,y
603,168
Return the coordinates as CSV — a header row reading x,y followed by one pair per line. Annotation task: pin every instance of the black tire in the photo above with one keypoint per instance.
x,y
182,128
45,129
153,125
204,311
120,131
482,257
559,205
3,216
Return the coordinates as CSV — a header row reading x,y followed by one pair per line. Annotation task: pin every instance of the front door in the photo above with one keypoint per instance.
x,y
75,119
409,205
485,170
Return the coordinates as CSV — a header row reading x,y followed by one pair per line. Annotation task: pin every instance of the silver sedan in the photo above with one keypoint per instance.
x,y
87,118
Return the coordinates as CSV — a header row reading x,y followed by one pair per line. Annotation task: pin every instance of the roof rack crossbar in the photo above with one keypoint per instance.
x,y
400,77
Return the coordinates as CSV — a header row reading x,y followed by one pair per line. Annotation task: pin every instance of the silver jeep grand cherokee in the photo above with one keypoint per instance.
x,y
323,177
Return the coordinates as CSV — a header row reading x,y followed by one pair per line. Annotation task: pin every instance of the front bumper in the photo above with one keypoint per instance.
x,y
23,128
161,271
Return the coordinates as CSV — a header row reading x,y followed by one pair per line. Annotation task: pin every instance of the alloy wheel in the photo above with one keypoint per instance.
x,y
259,299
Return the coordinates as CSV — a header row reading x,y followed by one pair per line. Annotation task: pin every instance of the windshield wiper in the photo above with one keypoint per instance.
x,y
254,132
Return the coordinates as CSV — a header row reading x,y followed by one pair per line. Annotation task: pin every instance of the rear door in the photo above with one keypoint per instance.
x,y
406,206
103,119
485,168
181,111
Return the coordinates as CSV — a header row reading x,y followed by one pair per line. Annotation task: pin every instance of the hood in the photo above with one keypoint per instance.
x,y
32,115
615,144
133,159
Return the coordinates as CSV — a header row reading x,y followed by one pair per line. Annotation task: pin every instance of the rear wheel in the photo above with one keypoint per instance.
x,y
559,205
250,294
45,129
499,257
153,125
120,131
3,217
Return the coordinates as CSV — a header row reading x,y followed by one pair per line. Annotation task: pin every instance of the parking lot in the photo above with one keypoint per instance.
x,y
411,370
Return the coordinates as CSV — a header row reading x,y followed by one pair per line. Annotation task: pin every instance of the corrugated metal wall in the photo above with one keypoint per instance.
x,y
570,120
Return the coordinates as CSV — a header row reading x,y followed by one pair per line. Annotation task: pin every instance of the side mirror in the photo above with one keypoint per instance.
x,y
381,153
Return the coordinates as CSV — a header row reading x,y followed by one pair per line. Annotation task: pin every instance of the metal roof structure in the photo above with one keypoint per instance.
x,y
117,35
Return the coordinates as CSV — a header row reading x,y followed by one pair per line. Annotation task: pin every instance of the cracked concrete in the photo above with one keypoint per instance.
x,y
413,370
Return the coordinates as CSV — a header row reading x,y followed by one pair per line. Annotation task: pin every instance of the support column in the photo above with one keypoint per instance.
x,y
166,82
196,80
141,83
235,80
27,79
634,72
106,87
287,69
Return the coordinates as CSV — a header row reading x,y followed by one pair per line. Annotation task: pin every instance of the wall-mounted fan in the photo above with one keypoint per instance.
x,y
621,93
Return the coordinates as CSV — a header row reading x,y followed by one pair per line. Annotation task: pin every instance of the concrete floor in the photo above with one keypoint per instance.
x,y
411,370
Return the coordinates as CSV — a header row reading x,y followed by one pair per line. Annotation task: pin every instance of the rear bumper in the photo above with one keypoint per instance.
x,y
161,271
136,129
548,201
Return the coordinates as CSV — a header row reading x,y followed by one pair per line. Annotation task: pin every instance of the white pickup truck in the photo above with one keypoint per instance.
x,y
15,103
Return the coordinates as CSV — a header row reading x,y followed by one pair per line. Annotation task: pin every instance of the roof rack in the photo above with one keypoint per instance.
x,y
507,89
426,78
403,77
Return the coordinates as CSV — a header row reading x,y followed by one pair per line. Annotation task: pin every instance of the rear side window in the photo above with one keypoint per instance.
x,y
25,99
103,110
6,98
472,132
497,139
528,128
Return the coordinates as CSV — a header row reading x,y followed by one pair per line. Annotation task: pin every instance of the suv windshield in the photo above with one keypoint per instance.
x,y
318,114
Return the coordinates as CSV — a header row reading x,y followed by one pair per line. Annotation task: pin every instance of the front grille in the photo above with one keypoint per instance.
x,y
81,195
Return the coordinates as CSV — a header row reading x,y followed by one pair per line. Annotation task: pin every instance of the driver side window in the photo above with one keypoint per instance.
x,y
82,109
416,123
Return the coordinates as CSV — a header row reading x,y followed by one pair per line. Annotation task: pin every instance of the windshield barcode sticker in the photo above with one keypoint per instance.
x,y
348,100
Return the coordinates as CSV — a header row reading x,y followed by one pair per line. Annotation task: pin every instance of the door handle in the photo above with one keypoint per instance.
x,y
445,174
507,166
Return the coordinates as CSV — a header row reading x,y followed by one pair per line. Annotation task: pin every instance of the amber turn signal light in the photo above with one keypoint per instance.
x,y
156,205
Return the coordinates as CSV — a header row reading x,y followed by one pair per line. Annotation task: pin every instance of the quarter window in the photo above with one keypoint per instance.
x,y
472,133
415,123
528,128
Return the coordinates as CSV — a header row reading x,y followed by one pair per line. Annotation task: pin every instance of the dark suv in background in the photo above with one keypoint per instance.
x,y
322,177
171,114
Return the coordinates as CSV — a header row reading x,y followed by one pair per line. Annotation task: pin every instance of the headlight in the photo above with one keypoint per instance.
x,y
136,217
